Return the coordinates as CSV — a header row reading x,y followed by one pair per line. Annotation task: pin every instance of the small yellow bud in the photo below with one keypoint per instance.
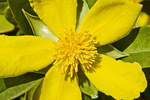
x,y
143,19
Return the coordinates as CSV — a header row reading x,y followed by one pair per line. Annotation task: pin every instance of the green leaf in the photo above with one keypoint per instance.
x,y
85,97
32,92
86,86
102,96
3,6
82,11
2,0
122,44
137,44
9,16
140,57
38,27
13,81
18,90
90,2
5,26
23,97
16,7
112,51
2,85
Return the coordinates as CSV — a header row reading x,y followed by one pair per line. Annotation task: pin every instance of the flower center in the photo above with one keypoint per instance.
x,y
74,49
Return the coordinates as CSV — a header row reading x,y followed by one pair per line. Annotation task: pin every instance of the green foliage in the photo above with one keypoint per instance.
x,y
101,97
31,95
82,11
2,0
112,51
91,2
137,45
5,26
2,85
15,91
3,6
16,8
86,86
9,16
38,27
13,81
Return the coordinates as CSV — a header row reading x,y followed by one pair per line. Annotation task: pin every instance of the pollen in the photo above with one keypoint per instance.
x,y
76,49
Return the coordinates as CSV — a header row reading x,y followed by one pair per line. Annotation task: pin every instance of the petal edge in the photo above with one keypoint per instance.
x,y
119,79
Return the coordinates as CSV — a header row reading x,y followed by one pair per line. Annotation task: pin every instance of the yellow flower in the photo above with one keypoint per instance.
x,y
76,49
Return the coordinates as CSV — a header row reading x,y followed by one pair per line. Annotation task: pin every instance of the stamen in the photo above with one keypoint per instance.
x,y
74,48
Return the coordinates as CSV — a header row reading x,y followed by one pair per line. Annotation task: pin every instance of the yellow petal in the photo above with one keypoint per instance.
x,y
21,54
110,20
57,14
55,87
121,80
